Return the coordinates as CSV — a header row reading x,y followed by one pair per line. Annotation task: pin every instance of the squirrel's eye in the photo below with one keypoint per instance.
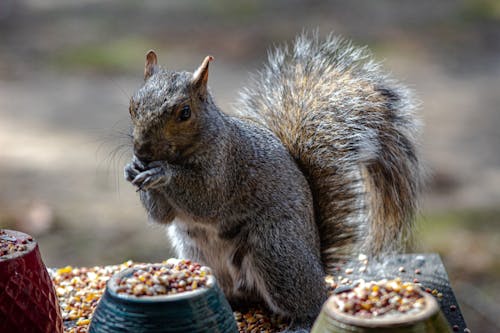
x,y
185,113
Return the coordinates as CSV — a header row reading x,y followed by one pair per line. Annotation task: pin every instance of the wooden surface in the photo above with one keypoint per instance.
x,y
432,275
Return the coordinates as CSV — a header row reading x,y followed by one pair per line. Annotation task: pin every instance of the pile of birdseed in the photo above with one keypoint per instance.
x,y
79,290
173,277
380,298
10,244
258,320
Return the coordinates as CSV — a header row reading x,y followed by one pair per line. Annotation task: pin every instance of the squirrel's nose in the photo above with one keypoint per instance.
x,y
143,152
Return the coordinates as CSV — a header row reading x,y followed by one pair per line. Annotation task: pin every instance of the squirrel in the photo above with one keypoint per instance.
x,y
318,163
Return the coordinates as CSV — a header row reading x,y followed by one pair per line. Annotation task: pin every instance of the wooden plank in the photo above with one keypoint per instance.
x,y
432,275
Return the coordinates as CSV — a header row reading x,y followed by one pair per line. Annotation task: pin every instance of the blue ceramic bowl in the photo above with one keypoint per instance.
x,y
204,310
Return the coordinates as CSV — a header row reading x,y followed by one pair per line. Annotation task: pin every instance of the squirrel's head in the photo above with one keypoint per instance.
x,y
169,112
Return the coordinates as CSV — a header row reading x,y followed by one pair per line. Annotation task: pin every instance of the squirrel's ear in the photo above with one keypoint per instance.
x,y
151,65
200,76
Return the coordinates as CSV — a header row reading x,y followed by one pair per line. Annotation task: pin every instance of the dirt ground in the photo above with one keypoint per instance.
x,y
67,71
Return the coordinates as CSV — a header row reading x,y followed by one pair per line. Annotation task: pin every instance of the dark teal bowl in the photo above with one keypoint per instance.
x,y
204,310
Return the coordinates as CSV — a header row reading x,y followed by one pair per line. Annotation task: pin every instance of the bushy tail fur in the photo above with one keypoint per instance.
x,y
351,129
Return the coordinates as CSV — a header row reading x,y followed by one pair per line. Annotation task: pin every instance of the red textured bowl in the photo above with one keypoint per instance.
x,y
28,302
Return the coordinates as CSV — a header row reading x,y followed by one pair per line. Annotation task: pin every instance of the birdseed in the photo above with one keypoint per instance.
x,y
173,277
258,320
10,244
380,298
79,290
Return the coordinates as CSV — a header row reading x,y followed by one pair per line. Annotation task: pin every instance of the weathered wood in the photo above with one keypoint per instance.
x,y
432,275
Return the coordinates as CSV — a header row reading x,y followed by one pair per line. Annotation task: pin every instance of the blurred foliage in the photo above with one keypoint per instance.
x,y
476,220
236,10
115,56
461,234
480,10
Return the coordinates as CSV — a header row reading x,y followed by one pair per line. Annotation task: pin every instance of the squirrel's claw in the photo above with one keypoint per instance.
x,y
139,175
151,178
138,164
130,172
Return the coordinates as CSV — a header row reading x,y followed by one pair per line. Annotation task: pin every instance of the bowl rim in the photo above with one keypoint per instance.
x,y
430,309
15,255
111,289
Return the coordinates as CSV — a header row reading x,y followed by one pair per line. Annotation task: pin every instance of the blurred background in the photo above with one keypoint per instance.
x,y
68,68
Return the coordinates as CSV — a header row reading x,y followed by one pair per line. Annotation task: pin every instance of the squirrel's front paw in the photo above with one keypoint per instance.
x,y
157,175
133,169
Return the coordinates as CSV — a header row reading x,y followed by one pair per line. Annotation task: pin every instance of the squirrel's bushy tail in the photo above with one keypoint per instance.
x,y
352,131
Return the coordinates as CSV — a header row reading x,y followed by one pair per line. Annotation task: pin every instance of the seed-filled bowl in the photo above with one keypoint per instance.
x,y
178,296
383,306
28,302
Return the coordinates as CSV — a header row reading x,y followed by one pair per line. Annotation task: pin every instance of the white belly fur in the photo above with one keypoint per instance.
x,y
210,250
207,249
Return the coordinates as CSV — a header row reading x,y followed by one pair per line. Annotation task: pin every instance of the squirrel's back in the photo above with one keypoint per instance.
x,y
352,131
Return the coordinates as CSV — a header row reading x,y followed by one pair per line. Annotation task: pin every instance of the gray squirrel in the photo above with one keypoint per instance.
x,y
318,164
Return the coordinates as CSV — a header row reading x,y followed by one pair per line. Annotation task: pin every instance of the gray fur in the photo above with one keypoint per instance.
x,y
352,130
258,236
271,200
